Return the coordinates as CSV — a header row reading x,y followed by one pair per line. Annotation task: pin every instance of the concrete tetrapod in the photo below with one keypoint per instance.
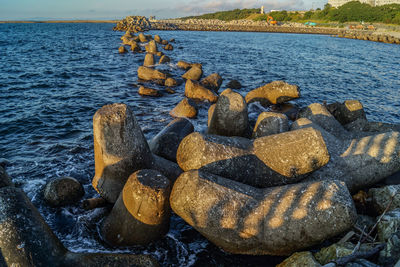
x,y
120,149
142,212
26,239
359,162
276,92
242,219
267,161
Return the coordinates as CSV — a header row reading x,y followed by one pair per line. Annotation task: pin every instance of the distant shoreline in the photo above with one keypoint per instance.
x,y
58,21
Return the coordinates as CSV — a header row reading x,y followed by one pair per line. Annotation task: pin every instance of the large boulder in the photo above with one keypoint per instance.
x,y
165,143
194,73
148,60
142,212
267,161
149,74
212,82
63,191
348,111
359,162
229,117
269,123
242,219
186,108
276,92
194,90
120,149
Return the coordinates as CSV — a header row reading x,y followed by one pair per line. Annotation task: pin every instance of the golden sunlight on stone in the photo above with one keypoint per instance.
x,y
306,198
284,205
390,148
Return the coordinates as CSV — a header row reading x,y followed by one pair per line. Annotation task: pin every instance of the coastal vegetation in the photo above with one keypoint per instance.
x,y
350,12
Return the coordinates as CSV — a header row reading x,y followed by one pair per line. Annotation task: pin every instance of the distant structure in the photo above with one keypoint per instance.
x,y
262,10
337,3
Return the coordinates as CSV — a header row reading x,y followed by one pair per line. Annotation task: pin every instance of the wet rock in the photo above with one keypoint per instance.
x,y
348,111
210,114
276,92
127,40
194,73
164,42
168,47
135,48
146,91
149,74
168,168
164,59
337,251
381,197
170,91
269,123
148,60
172,40
159,54
184,65
359,162
157,38
5,180
166,143
194,90
151,47
234,84
289,109
362,125
63,191
170,82
4,162
186,108
143,207
142,38
267,161
120,149
122,49
230,116
300,259
242,219
212,82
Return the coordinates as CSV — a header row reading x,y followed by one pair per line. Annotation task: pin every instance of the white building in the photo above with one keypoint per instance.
x,y
337,3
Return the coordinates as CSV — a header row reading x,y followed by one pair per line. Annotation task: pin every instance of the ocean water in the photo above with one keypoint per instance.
x,y
53,78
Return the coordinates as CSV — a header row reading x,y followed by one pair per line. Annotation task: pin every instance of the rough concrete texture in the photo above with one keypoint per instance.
x,y
230,116
148,60
168,168
267,161
305,259
186,108
149,74
281,220
120,149
382,197
212,82
359,162
63,191
348,111
166,143
269,123
194,73
194,90
276,92
362,125
142,212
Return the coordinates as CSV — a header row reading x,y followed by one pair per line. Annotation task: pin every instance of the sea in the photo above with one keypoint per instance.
x,y
54,77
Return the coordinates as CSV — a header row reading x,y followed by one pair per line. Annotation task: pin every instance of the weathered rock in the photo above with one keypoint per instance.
x,y
305,259
170,82
166,143
143,207
381,197
269,123
337,251
168,168
159,54
212,82
230,116
148,60
168,47
164,42
26,239
242,219
63,191
164,59
142,38
122,49
157,38
194,73
186,108
194,90
151,47
234,84
362,125
348,111
210,114
146,91
388,225
267,161
120,149
276,92
149,74
184,65
5,180
359,162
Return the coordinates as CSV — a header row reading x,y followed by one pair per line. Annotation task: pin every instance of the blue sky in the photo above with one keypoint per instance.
x,y
117,9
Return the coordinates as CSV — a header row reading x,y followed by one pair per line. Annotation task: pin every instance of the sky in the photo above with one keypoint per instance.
x,y
118,9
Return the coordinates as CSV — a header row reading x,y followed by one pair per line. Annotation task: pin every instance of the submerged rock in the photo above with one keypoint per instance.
x,y
266,161
242,219
186,108
171,82
5,180
276,92
63,191
234,84
120,149
122,49
168,47
142,212
269,123
194,90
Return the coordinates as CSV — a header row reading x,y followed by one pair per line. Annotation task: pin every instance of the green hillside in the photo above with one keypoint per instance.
x,y
228,15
